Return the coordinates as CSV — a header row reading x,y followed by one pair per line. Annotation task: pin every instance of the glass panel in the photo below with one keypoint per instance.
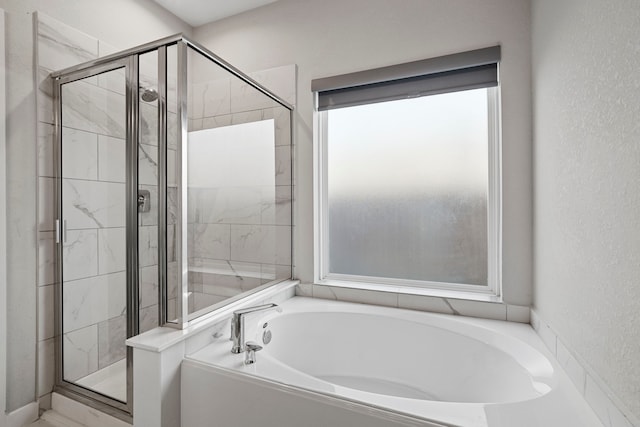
x,y
407,189
93,239
148,182
239,186
173,215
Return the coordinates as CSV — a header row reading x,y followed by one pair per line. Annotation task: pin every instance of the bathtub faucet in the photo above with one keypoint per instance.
x,y
237,325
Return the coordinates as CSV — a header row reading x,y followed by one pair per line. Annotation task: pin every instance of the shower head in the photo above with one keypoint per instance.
x,y
148,95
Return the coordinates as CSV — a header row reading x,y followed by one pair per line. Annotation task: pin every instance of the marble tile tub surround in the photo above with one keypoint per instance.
x,y
462,307
604,403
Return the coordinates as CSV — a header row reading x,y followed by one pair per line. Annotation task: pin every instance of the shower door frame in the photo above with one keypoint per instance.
x,y
112,406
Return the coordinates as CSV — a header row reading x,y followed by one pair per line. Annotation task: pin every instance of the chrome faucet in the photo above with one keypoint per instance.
x,y
237,325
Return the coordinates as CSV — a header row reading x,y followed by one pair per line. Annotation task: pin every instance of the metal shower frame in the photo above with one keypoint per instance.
x,y
129,61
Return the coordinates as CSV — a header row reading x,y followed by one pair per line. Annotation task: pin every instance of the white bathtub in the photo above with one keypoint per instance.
x,y
332,364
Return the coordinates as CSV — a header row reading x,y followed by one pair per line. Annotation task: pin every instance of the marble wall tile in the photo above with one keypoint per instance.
x,y
253,243
147,165
93,109
264,244
111,159
172,205
227,284
148,245
172,280
271,272
116,284
148,318
173,128
388,299
85,302
46,366
149,286
304,290
93,204
46,304
210,241
282,123
216,122
114,80
277,211
80,353
602,405
149,123
112,334
245,97
172,177
201,301
80,254
46,205
112,254
280,80
573,369
283,165
243,117
237,205
194,125
518,313
485,310
425,303
46,258
46,141
171,243
59,46
212,98
79,154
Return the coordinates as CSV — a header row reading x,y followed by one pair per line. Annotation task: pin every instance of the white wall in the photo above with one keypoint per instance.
x,y
331,37
122,23
586,87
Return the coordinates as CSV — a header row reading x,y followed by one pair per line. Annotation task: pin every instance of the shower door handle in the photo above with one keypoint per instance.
x,y
61,234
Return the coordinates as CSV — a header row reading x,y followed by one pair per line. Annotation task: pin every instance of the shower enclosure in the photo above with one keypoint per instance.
x,y
173,199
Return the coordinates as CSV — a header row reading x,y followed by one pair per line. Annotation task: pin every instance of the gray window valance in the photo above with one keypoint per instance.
x,y
461,71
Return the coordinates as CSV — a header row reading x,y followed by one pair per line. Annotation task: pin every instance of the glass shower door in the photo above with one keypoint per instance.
x,y
93,233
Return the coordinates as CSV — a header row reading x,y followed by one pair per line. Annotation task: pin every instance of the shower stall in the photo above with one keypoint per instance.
x,y
173,195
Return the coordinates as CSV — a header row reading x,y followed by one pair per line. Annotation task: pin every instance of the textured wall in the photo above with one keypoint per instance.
x,y
333,37
586,85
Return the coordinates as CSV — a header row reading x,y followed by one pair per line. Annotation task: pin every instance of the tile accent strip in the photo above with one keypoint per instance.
x,y
602,400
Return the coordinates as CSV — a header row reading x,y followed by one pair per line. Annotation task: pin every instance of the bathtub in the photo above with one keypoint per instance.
x,y
331,363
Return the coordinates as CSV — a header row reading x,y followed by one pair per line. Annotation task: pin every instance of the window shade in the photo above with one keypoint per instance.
x,y
462,71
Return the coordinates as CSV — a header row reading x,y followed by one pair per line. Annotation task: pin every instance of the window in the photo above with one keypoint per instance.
x,y
408,175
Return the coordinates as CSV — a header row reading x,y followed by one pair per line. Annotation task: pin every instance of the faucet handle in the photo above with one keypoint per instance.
x,y
250,348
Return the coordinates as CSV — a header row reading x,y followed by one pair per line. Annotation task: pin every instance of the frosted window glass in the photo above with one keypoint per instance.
x,y
407,189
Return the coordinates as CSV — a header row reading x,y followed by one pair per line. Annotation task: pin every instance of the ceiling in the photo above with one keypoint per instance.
x,y
199,12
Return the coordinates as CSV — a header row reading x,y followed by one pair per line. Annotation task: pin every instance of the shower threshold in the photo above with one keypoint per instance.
x,y
110,381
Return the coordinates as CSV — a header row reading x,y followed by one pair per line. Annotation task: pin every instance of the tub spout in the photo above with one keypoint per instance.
x,y
237,325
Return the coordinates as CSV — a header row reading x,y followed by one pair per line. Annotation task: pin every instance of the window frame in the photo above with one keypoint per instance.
x,y
490,292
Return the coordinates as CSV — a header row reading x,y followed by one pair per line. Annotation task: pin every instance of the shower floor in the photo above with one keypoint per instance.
x,y
110,381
